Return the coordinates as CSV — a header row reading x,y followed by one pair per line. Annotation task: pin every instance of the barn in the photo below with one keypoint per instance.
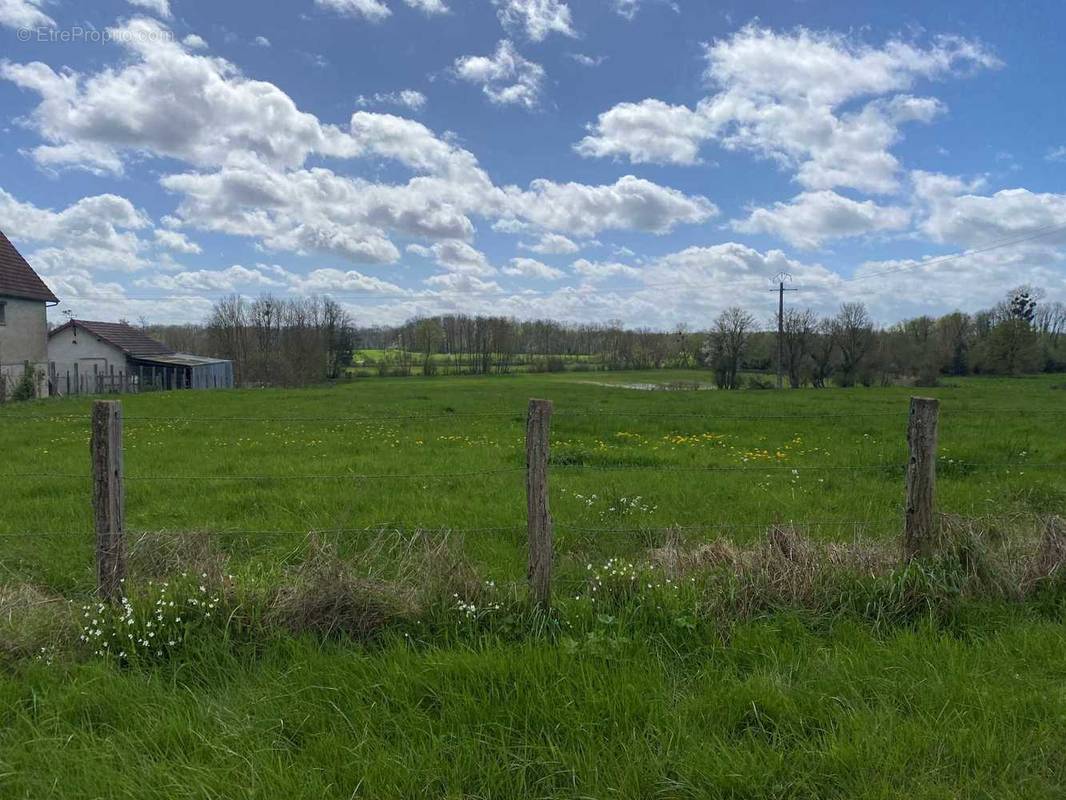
x,y
87,357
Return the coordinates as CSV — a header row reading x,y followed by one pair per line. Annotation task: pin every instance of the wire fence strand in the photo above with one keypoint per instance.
x,y
445,476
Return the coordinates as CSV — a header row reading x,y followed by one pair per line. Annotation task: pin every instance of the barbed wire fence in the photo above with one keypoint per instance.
x,y
108,479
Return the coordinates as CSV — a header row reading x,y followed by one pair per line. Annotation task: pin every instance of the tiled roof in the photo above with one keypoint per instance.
x,y
17,278
130,340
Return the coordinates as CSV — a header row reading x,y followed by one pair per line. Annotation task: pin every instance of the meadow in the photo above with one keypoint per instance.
x,y
907,684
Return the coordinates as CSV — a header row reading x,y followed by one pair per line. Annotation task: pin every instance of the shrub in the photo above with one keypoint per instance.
x,y
757,382
26,388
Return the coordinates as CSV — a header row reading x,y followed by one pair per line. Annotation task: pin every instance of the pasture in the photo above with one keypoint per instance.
x,y
638,699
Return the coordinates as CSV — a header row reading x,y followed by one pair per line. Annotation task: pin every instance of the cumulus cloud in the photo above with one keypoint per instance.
x,y
261,41
213,109
373,10
599,270
810,218
24,14
587,60
938,284
177,242
650,131
821,104
531,268
230,279
322,281
95,233
628,204
457,256
250,180
405,98
535,18
378,10
160,7
953,213
463,283
429,7
552,244
629,8
505,77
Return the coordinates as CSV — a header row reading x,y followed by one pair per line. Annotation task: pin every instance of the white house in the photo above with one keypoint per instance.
x,y
23,319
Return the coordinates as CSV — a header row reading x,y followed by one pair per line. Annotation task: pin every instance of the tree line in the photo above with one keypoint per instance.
x,y
300,341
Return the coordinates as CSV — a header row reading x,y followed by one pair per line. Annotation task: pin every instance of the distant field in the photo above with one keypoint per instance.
x,y
786,705
367,362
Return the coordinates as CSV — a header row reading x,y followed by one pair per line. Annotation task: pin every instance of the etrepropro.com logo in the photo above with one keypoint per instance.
x,y
78,35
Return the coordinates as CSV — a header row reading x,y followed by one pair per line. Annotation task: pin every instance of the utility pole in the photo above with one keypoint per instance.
x,y
780,279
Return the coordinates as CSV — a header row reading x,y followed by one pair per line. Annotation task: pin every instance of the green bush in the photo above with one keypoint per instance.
x,y
26,388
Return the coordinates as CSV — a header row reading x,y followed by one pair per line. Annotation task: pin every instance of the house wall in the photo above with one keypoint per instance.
x,y
83,354
23,337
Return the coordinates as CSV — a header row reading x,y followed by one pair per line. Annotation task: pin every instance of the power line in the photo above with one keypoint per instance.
x,y
1048,231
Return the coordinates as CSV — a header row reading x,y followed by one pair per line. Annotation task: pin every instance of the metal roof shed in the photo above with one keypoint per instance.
x,y
187,370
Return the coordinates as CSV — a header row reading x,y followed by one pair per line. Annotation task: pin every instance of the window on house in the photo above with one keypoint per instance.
x,y
3,313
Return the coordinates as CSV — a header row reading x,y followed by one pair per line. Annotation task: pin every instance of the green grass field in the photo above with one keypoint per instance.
x,y
651,695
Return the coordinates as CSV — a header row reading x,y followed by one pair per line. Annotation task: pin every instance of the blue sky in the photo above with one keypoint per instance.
x,y
643,160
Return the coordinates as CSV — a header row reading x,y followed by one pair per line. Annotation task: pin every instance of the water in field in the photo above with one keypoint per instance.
x,y
672,386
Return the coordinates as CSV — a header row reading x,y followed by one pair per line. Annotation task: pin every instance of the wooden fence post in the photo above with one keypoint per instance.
x,y
919,535
539,521
109,498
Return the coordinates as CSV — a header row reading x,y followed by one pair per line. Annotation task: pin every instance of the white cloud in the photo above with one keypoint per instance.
x,y
176,241
457,256
24,14
552,244
248,179
261,41
221,280
812,217
536,18
650,131
531,268
194,42
405,98
95,233
429,7
160,7
629,8
212,109
463,283
321,281
938,284
1056,153
587,60
599,270
792,98
373,10
953,213
628,204
505,77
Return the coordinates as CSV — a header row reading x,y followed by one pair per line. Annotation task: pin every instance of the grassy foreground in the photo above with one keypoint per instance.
x,y
763,677
778,712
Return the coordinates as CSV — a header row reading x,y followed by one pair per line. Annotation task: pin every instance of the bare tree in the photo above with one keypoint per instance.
x,y
798,329
729,337
823,351
854,333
